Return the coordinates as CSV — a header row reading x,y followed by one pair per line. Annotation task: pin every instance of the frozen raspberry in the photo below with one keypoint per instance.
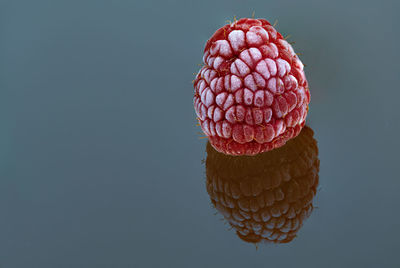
x,y
265,198
251,95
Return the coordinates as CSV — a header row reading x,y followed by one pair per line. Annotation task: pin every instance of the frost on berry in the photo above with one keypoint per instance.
x,y
251,95
265,198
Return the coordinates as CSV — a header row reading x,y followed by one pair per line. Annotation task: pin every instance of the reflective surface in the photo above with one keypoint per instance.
x,y
100,155
267,197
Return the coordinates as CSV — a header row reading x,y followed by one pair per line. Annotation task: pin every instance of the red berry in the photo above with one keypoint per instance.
x,y
265,198
251,95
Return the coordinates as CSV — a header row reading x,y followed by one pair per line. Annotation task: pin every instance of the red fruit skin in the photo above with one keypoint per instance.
x,y
251,95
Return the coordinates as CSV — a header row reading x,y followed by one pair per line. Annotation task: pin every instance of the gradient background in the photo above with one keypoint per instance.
x,y
100,158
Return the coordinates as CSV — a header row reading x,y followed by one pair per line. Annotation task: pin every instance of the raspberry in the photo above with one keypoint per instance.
x,y
265,198
251,95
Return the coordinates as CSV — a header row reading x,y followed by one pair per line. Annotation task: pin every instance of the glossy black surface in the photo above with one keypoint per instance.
x,y
100,156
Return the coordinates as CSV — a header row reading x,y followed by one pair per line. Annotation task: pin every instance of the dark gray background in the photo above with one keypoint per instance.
x,y
100,157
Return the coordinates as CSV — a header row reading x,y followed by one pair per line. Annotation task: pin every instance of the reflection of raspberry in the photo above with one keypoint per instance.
x,y
265,198
252,95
